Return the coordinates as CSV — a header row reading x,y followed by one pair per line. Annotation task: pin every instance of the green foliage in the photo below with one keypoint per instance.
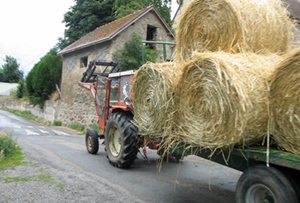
x,y
1,75
134,54
7,145
41,80
124,7
15,159
43,177
96,128
76,126
20,89
179,2
10,70
84,17
57,123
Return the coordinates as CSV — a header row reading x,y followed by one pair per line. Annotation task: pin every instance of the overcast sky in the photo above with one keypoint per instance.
x,y
30,28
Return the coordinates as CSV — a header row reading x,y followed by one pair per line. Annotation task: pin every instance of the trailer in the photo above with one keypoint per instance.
x,y
269,175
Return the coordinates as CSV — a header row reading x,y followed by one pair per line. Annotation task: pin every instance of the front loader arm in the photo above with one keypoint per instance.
x,y
89,86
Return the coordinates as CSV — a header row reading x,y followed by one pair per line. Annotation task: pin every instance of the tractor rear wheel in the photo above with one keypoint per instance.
x,y
91,141
121,140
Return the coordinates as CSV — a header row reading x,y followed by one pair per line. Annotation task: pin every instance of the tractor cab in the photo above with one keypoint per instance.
x,y
110,88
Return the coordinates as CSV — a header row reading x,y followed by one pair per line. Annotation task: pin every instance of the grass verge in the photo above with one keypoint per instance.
x,y
16,158
43,177
11,155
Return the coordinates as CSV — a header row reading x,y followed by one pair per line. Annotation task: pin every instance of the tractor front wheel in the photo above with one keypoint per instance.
x,y
121,140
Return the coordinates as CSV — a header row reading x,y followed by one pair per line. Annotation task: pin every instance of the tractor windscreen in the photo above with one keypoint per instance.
x,y
125,87
101,95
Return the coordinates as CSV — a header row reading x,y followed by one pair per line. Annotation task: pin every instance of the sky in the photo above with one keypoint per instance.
x,y
30,28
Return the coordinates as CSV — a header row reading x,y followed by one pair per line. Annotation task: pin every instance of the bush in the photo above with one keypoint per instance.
x,y
134,54
76,126
41,80
96,128
7,145
57,123
20,89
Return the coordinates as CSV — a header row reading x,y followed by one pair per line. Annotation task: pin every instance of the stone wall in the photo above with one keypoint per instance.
x,y
81,110
72,70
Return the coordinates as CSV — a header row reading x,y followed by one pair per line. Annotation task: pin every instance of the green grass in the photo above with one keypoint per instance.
x,y
77,126
11,154
96,127
57,123
15,159
43,177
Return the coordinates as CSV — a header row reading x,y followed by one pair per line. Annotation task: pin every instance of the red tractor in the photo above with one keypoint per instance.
x,y
111,90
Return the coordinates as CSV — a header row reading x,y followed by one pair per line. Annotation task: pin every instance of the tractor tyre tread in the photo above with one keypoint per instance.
x,y
129,146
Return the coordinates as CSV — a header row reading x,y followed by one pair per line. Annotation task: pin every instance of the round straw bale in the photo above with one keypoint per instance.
x,y
232,26
153,88
285,100
222,100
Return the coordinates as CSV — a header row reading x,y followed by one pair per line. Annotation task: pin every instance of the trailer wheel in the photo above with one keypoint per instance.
x,y
121,140
91,141
264,184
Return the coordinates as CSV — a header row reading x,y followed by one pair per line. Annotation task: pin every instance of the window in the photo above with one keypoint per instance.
x,y
83,62
151,35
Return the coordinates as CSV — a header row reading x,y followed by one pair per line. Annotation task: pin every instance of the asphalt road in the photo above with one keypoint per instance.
x,y
192,180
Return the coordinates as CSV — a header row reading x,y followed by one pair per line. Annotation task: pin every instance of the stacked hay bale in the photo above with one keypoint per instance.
x,y
222,100
232,26
153,88
285,108
216,93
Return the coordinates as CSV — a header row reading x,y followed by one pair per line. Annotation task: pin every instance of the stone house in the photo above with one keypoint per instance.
x,y
101,44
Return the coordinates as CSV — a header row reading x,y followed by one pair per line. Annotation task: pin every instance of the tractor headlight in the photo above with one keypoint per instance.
x,y
127,101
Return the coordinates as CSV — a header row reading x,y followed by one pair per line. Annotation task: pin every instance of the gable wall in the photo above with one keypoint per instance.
x,y
72,71
77,104
140,27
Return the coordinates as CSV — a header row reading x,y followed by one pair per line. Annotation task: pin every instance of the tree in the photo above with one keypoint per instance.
x,y
132,57
84,17
10,70
123,7
42,79
20,89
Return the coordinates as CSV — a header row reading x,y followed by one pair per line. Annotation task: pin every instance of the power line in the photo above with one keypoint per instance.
x,y
34,59
13,54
